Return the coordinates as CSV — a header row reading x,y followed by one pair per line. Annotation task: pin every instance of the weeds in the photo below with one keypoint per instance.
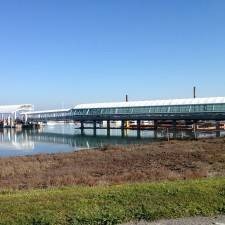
x,y
113,205
116,165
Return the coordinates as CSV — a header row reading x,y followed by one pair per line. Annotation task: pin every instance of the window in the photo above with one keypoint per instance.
x,y
137,110
108,111
124,110
80,111
209,108
149,109
94,111
174,109
219,107
202,108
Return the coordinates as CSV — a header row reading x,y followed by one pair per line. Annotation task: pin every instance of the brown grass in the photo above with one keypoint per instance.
x,y
115,165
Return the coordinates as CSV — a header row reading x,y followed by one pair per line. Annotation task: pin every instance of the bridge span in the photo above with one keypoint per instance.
x,y
174,110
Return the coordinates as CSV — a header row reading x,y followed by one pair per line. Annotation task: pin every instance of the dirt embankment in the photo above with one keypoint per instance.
x,y
115,165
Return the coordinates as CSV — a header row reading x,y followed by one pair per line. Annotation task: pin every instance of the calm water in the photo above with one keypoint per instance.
x,y
65,138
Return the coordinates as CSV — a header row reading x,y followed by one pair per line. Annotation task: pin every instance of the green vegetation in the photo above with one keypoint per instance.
x,y
114,204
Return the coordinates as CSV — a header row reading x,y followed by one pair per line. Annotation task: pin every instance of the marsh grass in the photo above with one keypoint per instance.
x,y
116,165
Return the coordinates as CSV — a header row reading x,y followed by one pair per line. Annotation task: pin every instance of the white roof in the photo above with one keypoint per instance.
x,y
7,109
169,102
47,111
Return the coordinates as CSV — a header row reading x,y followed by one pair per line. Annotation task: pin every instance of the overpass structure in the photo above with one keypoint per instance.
x,y
189,110
48,115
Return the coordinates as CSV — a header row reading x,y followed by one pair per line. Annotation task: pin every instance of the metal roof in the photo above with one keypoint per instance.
x,y
47,111
169,102
8,109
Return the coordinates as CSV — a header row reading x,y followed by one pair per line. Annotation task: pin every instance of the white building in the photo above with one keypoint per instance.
x,y
13,112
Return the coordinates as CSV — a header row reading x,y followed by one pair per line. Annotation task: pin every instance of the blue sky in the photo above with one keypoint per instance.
x,y
56,53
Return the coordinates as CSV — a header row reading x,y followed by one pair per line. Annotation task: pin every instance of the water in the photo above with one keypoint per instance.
x,y
65,138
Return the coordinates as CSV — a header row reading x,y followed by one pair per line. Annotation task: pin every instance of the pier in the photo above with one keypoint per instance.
x,y
155,114
190,114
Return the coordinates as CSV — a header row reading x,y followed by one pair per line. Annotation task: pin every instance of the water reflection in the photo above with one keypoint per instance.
x,y
62,138
12,139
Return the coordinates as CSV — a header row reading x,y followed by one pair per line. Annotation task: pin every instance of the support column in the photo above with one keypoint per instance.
x,y
195,129
155,134
82,127
174,129
108,127
122,128
155,124
139,128
122,124
108,124
217,128
138,124
94,127
174,125
217,125
195,125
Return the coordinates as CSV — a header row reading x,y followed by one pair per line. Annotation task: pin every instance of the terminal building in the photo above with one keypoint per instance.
x,y
10,113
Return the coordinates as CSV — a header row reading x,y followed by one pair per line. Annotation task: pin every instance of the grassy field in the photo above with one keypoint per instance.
x,y
108,205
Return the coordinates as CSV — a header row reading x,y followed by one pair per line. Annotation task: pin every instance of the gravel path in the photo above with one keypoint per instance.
x,y
218,220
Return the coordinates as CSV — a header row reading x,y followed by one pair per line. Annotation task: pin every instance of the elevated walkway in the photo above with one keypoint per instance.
x,y
189,110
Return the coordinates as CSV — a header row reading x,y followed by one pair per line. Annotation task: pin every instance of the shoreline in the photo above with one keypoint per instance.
x,y
135,163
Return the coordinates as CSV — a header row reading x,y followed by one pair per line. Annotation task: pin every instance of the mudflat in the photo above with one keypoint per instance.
x,y
110,165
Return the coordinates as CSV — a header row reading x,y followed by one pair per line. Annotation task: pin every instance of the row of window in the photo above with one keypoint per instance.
x,y
152,109
48,115
135,110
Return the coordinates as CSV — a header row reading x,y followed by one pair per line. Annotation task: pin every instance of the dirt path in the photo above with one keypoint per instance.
x,y
219,220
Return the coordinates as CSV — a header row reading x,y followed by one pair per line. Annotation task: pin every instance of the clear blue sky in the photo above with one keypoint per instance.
x,y
70,51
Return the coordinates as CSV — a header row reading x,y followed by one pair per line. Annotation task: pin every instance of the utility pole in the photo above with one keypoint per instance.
x,y
194,92
126,122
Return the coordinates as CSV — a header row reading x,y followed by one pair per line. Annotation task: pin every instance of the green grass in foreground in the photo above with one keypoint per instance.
x,y
113,205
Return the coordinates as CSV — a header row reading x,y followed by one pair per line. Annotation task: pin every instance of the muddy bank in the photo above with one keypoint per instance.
x,y
115,165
